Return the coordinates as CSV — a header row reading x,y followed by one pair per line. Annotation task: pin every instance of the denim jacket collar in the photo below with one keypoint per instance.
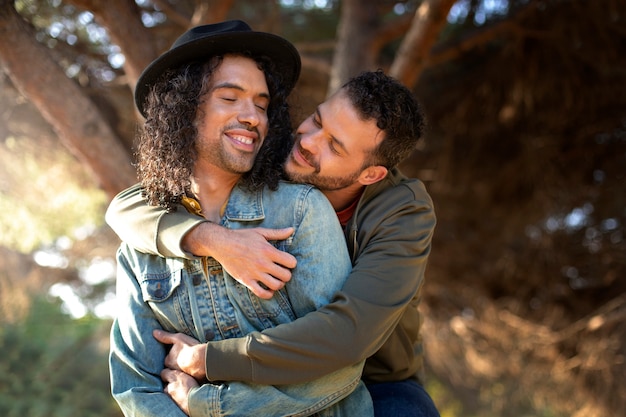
x,y
245,206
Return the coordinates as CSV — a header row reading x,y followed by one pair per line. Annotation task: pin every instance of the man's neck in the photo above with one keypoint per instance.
x,y
212,188
341,199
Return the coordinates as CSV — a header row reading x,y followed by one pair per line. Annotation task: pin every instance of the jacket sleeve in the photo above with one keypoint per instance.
x,y
305,399
149,229
387,274
136,358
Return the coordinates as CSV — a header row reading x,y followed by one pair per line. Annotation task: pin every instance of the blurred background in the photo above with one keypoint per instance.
x,y
525,157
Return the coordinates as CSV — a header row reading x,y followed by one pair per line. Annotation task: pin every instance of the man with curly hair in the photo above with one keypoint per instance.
x,y
349,148
215,135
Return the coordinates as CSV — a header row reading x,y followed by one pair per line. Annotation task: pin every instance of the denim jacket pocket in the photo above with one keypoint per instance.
x,y
159,287
168,299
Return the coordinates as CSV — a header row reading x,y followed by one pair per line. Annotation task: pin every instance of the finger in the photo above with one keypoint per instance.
x,y
285,259
260,291
170,361
277,273
276,234
281,259
163,336
265,250
270,282
167,375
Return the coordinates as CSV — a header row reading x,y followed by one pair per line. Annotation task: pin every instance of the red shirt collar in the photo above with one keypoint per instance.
x,y
346,214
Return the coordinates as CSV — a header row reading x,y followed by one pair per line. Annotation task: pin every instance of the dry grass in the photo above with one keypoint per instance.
x,y
501,362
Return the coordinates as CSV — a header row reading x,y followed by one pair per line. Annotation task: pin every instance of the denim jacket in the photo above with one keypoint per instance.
x,y
198,298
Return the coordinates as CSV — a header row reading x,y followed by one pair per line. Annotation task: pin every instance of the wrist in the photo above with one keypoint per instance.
x,y
198,240
199,372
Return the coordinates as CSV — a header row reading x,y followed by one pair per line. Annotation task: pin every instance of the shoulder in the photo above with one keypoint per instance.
x,y
396,214
397,191
397,209
289,193
292,188
304,205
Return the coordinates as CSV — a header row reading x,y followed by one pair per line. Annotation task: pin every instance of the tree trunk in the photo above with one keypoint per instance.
x,y
76,120
429,19
353,52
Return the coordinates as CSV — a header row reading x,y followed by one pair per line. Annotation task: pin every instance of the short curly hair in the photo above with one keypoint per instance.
x,y
396,111
166,150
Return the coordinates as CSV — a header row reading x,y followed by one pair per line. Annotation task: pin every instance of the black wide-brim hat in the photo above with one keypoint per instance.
x,y
202,42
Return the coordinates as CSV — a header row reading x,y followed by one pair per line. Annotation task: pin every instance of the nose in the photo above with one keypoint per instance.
x,y
250,115
309,137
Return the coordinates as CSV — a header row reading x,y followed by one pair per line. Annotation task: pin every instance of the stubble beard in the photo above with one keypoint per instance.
x,y
323,183
234,161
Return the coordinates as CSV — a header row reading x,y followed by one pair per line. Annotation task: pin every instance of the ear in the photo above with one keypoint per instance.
x,y
372,174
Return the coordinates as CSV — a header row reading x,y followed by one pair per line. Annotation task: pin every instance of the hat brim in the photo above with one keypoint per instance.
x,y
284,55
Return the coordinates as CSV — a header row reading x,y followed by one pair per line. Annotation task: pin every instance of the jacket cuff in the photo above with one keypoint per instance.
x,y
204,401
171,230
228,360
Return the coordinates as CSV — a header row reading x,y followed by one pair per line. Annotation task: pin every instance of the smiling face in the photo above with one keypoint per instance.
x,y
332,146
232,118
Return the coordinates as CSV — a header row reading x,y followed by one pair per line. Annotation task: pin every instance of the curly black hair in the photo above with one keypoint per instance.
x,y
397,112
166,150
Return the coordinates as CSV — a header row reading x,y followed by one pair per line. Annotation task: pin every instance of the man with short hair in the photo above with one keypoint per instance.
x,y
213,141
349,148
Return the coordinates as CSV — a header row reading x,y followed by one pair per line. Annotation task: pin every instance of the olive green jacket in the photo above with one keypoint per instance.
x,y
374,316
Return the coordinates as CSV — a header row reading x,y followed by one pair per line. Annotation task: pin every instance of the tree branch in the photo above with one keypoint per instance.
x,y
429,19
77,121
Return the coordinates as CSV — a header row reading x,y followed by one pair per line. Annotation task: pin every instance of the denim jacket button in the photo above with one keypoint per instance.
x,y
209,335
197,279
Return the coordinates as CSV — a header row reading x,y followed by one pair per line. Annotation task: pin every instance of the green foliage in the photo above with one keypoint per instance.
x,y
53,366
48,195
484,402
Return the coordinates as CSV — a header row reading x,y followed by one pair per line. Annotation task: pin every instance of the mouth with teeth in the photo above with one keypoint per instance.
x,y
242,139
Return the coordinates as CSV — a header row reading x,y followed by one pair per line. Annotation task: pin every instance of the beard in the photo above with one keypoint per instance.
x,y
235,163
230,160
322,182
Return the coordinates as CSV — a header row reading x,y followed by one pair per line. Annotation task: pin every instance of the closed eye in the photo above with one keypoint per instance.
x,y
333,148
